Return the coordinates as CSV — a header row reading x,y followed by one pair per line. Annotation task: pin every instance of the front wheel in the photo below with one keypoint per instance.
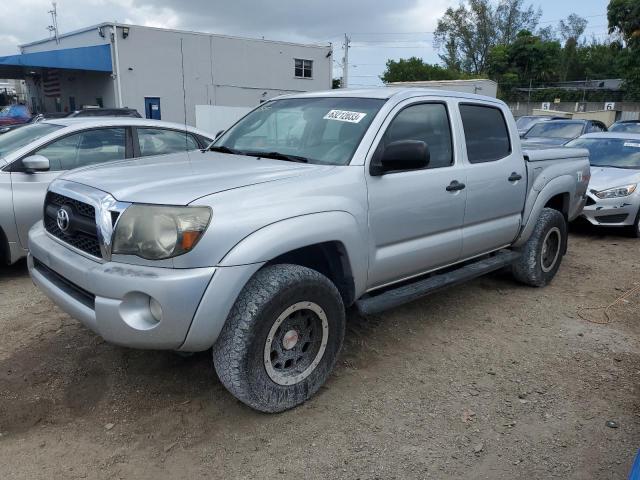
x,y
635,229
281,339
542,254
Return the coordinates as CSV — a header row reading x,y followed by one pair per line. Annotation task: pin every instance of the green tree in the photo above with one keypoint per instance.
x,y
624,19
414,69
466,35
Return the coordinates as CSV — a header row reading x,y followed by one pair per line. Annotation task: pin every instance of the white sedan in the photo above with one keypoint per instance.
x,y
32,156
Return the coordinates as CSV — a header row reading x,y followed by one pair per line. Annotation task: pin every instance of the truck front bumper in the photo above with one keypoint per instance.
x,y
611,212
136,306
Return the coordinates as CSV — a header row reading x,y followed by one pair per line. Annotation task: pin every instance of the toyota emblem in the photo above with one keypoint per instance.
x,y
62,220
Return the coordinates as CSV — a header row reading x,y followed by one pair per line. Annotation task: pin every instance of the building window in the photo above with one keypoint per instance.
x,y
304,68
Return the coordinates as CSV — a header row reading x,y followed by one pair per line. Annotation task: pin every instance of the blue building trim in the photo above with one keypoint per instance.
x,y
96,58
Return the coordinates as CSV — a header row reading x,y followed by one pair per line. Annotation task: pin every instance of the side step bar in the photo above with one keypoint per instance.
x,y
420,288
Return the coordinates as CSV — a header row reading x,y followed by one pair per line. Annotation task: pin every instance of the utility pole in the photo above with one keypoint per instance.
x,y
345,63
53,28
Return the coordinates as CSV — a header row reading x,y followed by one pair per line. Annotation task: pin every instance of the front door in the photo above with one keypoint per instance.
x,y
152,108
73,151
415,221
496,180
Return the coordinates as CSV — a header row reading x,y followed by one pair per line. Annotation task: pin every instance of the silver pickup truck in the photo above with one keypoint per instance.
x,y
308,205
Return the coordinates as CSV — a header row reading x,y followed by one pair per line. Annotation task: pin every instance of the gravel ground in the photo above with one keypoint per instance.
x,y
488,380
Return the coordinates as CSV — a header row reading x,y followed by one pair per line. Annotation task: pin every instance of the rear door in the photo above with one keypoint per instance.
x,y
496,179
415,220
72,151
161,141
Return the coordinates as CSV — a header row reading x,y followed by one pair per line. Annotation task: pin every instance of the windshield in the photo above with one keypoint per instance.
x,y
630,127
555,130
22,136
323,130
610,152
525,123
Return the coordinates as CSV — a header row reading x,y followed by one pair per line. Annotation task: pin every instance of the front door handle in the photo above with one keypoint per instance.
x,y
455,185
515,177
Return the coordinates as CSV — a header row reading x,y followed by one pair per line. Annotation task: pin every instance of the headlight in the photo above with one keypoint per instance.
x,y
616,192
156,233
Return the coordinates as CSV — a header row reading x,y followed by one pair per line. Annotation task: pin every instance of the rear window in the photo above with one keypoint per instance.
x,y
486,133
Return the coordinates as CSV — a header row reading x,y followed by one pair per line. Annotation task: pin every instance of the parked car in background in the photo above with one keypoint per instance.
x,y
32,156
525,122
34,119
614,191
105,112
626,126
308,204
14,115
556,133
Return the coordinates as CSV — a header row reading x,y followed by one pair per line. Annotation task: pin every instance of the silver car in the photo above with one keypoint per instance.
x,y
613,197
32,156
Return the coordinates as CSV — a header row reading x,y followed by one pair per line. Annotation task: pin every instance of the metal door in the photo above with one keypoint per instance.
x,y
152,108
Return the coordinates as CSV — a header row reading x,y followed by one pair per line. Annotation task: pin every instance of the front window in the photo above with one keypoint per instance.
x,y
630,127
555,130
325,130
18,138
525,123
303,68
610,152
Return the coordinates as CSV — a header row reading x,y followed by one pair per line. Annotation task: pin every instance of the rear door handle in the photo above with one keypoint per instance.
x,y
455,185
515,177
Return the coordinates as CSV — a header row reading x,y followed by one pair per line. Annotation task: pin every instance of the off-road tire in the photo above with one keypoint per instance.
x,y
528,269
239,353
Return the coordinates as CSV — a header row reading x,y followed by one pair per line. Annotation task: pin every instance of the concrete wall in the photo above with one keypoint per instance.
x,y
86,38
218,70
213,118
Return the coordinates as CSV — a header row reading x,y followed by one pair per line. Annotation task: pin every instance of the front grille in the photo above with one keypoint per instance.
x,y
82,233
619,218
80,294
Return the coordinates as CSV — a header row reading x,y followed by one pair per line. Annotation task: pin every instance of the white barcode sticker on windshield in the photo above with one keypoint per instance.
x,y
632,144
345,116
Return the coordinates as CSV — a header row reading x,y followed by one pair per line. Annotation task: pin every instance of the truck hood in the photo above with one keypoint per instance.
x,y
607,177
179,179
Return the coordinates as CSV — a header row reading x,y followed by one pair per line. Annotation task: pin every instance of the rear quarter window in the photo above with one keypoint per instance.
x,y
486,133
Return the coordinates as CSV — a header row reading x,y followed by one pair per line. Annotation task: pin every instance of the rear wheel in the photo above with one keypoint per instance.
x,y
282,338
542,254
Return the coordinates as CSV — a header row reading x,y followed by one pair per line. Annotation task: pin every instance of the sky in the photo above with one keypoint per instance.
x,y
379,29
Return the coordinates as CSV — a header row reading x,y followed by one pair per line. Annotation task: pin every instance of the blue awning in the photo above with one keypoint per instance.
x,y
96,58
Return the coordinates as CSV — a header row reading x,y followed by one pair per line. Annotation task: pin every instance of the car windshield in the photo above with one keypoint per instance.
x,y
525,123
610,152
324,130
20,137
630,127
555,130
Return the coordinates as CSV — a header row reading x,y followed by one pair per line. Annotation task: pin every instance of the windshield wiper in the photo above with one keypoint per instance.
x,y
617,166
223,149
279,156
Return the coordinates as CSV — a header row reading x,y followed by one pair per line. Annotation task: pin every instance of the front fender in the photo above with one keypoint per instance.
x,y
539,195
290,234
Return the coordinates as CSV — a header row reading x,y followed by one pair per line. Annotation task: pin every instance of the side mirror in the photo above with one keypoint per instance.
x,y
400,155
219,133
36,163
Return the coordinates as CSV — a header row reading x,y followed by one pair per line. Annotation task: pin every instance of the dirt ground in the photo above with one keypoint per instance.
x,y
488,380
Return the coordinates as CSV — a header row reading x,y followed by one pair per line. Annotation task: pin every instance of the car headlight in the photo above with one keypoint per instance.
x,y
623,191
156,232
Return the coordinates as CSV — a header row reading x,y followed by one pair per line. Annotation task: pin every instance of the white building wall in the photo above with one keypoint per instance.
x,y
218,70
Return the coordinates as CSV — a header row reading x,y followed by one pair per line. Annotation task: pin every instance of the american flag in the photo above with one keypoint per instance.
x,y
51,83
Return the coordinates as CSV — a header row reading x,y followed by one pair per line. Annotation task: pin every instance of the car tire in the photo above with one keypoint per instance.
x,y
635,229
543,252
281,339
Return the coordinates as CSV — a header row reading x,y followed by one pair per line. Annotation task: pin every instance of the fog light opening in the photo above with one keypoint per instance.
x,y
156,309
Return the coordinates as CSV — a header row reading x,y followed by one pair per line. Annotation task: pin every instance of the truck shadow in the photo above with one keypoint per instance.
x,y
17,270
